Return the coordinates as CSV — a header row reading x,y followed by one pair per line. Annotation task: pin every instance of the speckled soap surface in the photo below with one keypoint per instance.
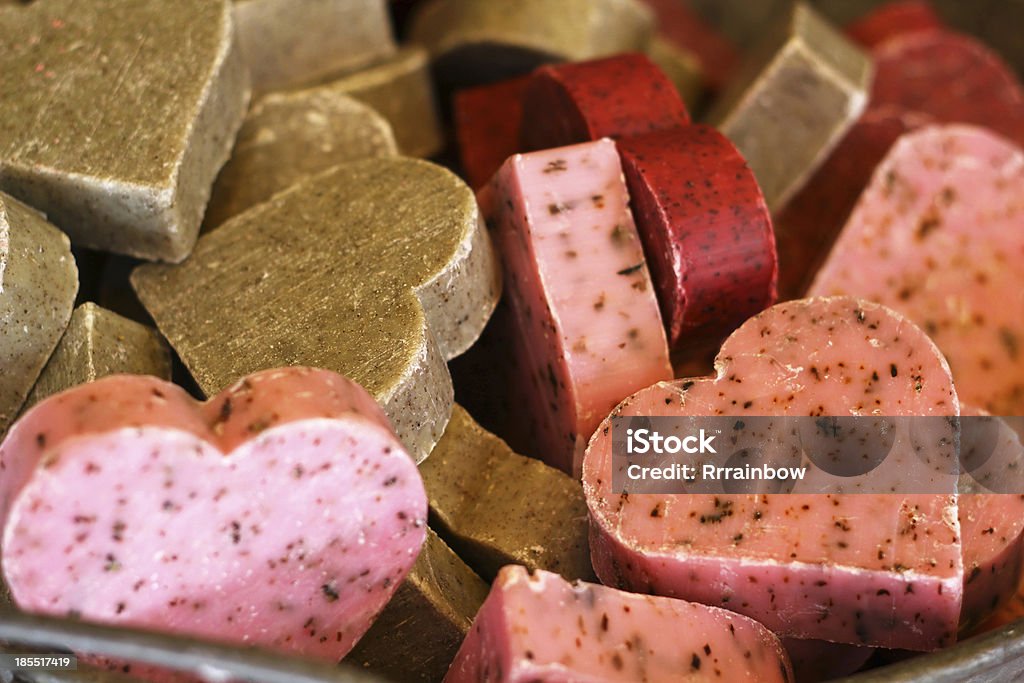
x,y
98,343
289,136
38,284
117,116
379,269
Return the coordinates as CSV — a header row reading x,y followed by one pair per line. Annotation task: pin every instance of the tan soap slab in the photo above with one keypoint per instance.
x,y
799,92
380,270
496,507
117,116
418,634
38,284
480,41
401,90
289,136
290,43
98,343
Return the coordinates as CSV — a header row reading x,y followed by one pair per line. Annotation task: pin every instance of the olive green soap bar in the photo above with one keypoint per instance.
x,y
380,270
681,67
797,95
291,43
481,41
401,89
495,507
117,115
289,136
98,343
38,284
418,634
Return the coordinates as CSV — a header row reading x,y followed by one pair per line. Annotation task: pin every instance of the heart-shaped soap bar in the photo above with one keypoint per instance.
x,y
283,513
771,556
937,235
117,115
380,270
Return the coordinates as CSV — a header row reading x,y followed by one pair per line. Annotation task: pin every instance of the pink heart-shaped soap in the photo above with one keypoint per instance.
x,y
282,513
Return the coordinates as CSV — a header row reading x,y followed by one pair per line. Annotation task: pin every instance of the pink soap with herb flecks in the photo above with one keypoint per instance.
x,y
938,235
538,628
586,327
864,569
282,513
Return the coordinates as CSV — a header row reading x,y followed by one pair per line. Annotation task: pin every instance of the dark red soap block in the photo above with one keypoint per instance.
x,y
487,120
706,230
952,77
627,94
892,20
806,229
679,24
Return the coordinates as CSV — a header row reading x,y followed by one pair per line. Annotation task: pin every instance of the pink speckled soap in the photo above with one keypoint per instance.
x,y
283,513
539,628
877,570
587,328
938,235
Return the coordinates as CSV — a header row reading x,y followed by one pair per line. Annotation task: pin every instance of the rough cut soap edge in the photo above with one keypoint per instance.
x,y
133,219
211,137
54,237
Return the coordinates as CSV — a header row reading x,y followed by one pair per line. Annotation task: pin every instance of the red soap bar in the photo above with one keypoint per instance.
x,y
627,94
894,19
682,26
706,230
806,229
487,127
951,76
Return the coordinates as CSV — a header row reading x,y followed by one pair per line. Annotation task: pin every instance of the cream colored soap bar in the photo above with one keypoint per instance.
x,y
38,284
289,136
379,269
801,89
480,41
98,343
290,43
401,89
117,116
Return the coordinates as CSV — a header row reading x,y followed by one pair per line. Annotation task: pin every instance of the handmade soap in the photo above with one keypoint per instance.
x,y
487,121
283,513
401,91
38,284
416,636
587,332
536,626
819,566
379,269
952,77
705,228
808,226
936,235
291,43
289,136
613,97
98,343
111,127
496,507
800,90
473,42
